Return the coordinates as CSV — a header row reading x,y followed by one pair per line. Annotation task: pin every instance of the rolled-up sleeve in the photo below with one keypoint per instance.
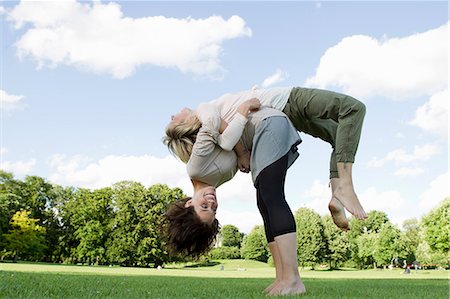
x,y
231,135
209,116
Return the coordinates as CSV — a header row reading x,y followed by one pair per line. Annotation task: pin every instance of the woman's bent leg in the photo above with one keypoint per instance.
x,y
337,119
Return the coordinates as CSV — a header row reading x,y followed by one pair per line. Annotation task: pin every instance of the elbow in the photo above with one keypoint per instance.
x,y
228,147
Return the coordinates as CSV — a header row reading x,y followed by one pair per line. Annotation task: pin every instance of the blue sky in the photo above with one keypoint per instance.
x,y
87,89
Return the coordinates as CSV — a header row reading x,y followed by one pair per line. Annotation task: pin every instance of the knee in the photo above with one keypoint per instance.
x,y
360,107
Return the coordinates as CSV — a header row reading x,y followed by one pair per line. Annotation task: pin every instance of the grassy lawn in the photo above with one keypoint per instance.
x,y
238,279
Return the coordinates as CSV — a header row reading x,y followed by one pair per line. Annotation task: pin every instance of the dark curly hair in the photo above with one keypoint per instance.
x,y
185,233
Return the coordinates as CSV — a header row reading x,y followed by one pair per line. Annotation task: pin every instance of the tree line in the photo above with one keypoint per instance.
x,y
121,225
374,242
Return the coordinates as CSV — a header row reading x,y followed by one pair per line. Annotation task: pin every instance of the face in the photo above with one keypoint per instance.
x,y
181,116
205,204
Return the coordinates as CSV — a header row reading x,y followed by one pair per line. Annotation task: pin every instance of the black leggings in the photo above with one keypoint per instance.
x,y
275,211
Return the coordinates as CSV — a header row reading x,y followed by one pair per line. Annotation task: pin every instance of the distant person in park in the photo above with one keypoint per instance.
x,y
206,147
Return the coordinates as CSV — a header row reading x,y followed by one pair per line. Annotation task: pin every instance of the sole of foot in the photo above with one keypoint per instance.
x,y
337,211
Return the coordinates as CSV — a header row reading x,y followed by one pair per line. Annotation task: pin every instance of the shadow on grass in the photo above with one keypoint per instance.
x,y
203,264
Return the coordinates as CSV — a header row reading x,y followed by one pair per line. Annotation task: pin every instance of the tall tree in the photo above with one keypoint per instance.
x,y
39,198
338,245
311,242
135,237
10,202
92,228
436,226
26,237
231,236
373,223
412,237
389,244
66,206
254,246
366,248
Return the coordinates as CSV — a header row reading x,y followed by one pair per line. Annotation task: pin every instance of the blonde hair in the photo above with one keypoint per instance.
x,y
180,137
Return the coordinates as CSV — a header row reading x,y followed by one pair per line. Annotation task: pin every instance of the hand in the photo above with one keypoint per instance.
x,y
249,106
253,104
243,162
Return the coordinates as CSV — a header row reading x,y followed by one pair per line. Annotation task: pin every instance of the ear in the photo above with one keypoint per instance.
x,y
188,203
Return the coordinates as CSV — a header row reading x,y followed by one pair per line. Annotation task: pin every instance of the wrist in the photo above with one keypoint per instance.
x,y
244,109
241,152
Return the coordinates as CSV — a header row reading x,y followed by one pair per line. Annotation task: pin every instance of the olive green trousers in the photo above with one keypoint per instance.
x,y
333,117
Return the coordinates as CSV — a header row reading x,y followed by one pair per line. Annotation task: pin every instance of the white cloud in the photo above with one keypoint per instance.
x,y
432,117
19,168
239,189
318,197
80,171
245,221
437,191
393,67
399,156
2,10
100,39
11,102
277,77
391,202
409,171
3,151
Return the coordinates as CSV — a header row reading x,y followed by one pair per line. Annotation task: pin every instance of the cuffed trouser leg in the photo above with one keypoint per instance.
x,y
277,216
333,117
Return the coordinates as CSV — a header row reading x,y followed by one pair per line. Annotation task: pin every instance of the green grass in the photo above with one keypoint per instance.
x,y
27,280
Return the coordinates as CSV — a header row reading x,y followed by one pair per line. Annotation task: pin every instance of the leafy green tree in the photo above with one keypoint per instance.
x,y
89,214
254,246
231,236
225,252
37,196
389,244
373,223
10,202
25,238
311,242
366,249
338,245
429,258
67,204
436,227
63,232
411,236
93,234
136,228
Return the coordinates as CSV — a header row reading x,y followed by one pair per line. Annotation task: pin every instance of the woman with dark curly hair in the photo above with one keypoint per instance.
x,y
191,223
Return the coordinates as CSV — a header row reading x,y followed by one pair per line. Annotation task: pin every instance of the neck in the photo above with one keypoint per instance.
x,y
198,185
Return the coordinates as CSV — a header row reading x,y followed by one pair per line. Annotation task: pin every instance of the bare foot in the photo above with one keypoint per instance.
x,y
338,214
288,288
271,286
347,196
